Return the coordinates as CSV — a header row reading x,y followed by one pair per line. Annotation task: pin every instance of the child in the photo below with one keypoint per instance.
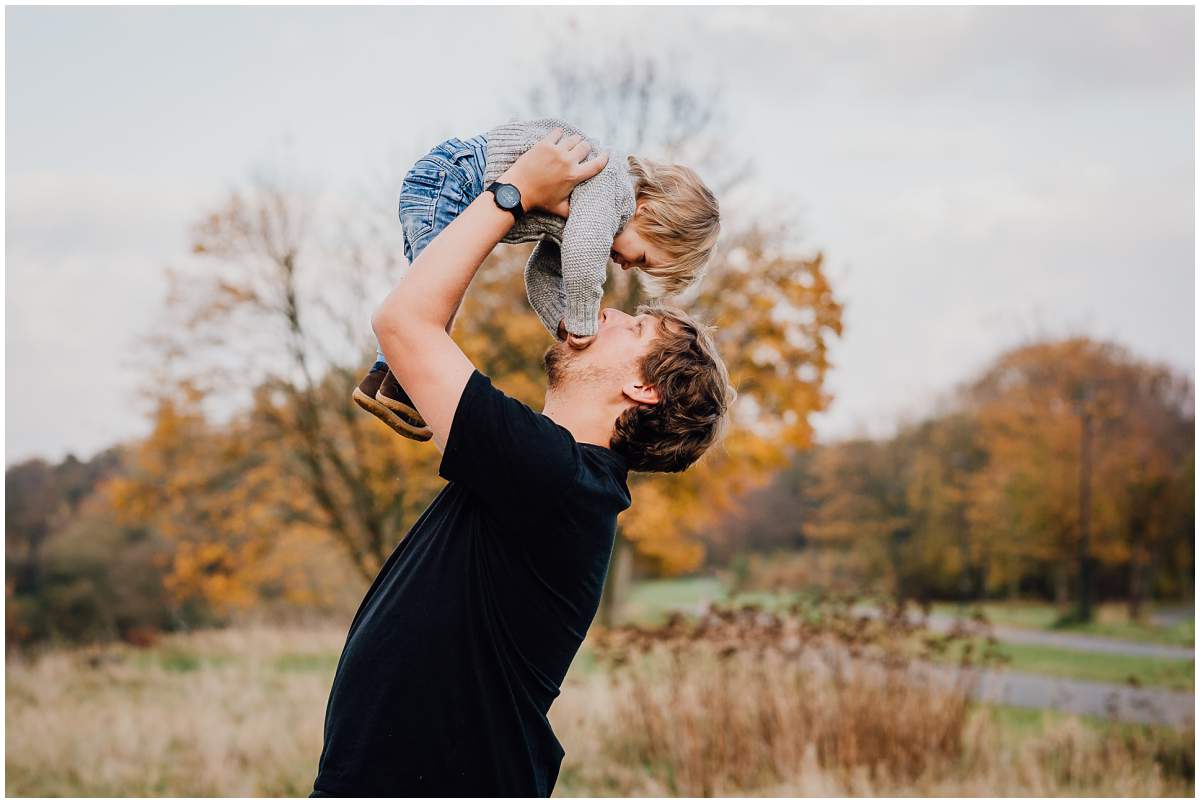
x,y
660,219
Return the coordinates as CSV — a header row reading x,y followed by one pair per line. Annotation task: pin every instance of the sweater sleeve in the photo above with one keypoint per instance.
x,y
544,284
588,236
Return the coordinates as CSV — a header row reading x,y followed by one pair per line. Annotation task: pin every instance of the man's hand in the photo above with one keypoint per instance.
x,y
546,173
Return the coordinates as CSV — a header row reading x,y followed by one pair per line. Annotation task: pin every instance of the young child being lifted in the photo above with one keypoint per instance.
x,y
657,218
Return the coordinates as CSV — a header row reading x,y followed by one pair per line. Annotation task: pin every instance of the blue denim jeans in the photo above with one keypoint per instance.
x,y
436,190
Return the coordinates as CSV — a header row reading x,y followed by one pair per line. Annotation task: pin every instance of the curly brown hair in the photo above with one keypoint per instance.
x,y
694,391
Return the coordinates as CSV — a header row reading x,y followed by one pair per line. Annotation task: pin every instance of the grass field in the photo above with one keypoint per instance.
x,y
240,712
1111,621
1133,670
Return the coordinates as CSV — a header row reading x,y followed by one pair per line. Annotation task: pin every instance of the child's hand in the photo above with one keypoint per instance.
x,y
546,173
578,342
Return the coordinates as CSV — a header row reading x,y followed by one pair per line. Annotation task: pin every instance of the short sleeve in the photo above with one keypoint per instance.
x,y
513,458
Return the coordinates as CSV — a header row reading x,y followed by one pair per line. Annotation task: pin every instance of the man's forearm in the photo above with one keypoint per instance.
x,y
438,279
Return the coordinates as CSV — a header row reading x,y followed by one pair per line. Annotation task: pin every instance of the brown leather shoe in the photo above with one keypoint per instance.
x,y
393,397
364,397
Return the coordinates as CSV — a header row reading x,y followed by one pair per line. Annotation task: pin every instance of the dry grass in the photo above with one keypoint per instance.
x,y
217,713
735,704
818,702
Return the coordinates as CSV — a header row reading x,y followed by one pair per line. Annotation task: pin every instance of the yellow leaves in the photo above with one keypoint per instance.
x,y
1033,405
774,316
295,468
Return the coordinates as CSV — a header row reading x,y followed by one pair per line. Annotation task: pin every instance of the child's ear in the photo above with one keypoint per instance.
x,y
642,394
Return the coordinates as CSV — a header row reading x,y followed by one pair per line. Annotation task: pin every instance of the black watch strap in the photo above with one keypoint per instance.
x,y
508,198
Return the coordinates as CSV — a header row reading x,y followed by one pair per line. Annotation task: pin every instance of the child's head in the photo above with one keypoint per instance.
x,y
674,231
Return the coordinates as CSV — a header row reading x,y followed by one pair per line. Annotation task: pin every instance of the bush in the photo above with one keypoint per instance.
x,y
738,698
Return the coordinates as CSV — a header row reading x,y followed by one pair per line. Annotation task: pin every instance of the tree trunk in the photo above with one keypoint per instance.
x,y
1084,612
620,564
966,583
1062,588
1137,576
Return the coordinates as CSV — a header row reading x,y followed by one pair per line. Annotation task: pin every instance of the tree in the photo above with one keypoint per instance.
x,y
946,453
279,315
993,492
281,312
1082,438
774,312
72,572
862,488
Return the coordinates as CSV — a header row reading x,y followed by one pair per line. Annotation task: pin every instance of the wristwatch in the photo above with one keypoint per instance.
x,y
508,198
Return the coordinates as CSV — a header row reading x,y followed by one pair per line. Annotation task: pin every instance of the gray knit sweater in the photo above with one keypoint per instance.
x,y
565,275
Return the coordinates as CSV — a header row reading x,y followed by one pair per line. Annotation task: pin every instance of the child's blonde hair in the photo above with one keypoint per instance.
x,y
679,214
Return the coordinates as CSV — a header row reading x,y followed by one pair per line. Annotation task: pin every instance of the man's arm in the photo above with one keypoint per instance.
x,y
411,322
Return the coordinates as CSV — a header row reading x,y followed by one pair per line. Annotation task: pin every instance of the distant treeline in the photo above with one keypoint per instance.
x,y
1066,471
1066,466
72,572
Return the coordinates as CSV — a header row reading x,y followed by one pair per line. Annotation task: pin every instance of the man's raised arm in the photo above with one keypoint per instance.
x,y
411,322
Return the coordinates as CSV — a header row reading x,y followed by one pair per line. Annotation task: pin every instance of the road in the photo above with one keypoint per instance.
x,y
1074,641
1119,701
1128,704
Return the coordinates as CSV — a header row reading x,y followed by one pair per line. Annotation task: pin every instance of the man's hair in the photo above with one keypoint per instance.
x,y
679,215
694,392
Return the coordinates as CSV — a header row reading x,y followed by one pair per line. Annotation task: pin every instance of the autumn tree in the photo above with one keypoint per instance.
x,y
773,309
1063,463
862,492
72,572
947,451
278,314
1083,441
276,309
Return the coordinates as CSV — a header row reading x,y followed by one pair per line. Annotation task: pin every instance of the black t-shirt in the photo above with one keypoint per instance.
x,y
462,641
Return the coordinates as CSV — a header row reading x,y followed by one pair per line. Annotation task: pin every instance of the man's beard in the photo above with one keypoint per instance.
x,y
564,367
556,361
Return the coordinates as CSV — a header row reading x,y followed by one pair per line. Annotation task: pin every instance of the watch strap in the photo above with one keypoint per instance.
x,y
518,211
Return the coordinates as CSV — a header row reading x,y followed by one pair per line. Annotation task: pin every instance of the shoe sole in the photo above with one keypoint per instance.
x,y
394,421
401,409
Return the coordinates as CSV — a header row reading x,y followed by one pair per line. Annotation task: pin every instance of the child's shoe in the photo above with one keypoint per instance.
x,y
393,397
364,397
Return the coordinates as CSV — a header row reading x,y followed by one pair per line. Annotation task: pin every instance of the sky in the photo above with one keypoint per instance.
x,y
974,177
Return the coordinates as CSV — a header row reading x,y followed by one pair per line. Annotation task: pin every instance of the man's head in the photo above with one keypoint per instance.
x,y
661,372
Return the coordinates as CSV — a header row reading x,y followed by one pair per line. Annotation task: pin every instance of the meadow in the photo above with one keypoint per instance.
x,y
733,702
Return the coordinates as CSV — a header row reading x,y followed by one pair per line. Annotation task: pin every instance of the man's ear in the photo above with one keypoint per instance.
x,y
642,394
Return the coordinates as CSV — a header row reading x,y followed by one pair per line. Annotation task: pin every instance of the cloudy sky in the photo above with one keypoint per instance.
x,y
975,176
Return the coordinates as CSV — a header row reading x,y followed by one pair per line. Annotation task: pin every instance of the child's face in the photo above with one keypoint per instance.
x,y
631,250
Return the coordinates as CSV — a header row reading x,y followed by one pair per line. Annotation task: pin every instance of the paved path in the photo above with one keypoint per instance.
x,y
1055,638
1074,641
1089,698
1148,705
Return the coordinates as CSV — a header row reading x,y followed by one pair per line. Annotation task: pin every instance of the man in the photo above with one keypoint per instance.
x,y
460,645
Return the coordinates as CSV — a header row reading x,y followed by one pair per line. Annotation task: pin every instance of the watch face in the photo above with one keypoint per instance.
x,y
508,196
